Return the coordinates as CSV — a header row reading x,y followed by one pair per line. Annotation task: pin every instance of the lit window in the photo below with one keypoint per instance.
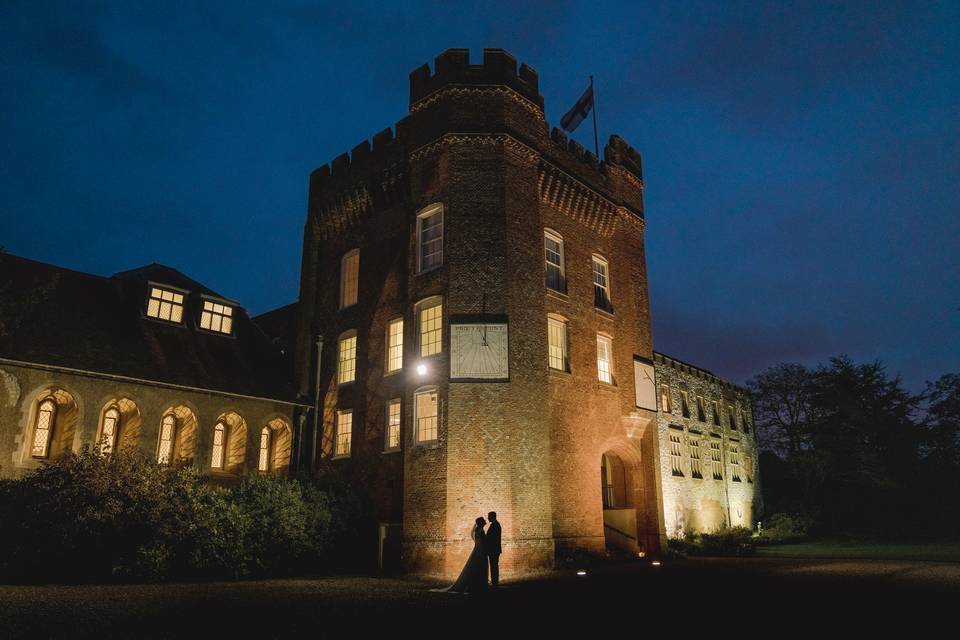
x,y
604,359
393,425
696,468
733,418
431,329
557,344
347,369
344,431
216,316
601,284
263,460
108,430
684,404
430,238
165,304
701,412
43,428
665,404
168,431
219,445
734,455
553,258
715,461
676,452
395,345
425,414
716,413
349,278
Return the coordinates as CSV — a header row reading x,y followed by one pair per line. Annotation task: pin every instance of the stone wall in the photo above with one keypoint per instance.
x,y
705,503
23,387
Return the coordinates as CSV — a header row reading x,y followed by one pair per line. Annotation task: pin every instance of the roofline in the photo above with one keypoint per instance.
x,y
168,385
702,370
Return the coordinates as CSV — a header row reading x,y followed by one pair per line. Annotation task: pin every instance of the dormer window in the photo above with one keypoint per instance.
x,y
165,304
217,317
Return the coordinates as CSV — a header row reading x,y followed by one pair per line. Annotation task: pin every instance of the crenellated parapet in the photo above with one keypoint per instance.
x,y
452,68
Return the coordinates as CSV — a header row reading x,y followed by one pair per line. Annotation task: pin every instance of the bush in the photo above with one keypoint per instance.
x,y
88,517
786,527
731,541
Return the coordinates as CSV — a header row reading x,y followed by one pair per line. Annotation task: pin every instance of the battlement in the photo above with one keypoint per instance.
x,y
618,152
452,67
362,156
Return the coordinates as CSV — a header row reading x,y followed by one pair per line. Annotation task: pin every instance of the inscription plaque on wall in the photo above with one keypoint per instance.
x,y
479,350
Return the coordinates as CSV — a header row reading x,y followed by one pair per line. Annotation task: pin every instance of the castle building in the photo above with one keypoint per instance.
x,y
472,334
146,359
479,284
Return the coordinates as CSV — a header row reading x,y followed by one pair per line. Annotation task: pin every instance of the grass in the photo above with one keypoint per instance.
x,y
864,550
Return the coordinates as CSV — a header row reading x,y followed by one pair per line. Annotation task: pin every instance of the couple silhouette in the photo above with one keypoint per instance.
x,y
485,555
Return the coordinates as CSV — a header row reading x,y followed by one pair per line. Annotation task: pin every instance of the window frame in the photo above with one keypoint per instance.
x,y
337,433
554,319
606,339
346,335
419,309
265,454
558,238
51,423
230,317
425,213
606,304
416,415
387,448
183,293
173,439
109,449
342,301
389,346
666,402
684,403
224,445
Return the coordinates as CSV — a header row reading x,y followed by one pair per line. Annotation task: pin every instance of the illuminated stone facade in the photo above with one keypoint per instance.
x,y
708,461
531,446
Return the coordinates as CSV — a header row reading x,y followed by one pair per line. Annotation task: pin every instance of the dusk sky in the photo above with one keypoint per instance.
x,y
801,160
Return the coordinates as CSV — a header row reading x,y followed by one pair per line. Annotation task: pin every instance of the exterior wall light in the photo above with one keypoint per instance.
x,y
421,369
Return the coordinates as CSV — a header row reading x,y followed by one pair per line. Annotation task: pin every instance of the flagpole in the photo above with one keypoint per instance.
x,y
596,144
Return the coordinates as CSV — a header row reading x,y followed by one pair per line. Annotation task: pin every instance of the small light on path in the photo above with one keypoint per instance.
x,y
581,572
655,563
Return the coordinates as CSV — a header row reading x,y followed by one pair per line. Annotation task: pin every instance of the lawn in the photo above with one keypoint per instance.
x,y
864,550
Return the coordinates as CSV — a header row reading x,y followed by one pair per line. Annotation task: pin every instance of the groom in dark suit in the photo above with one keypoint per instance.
x,y
493,548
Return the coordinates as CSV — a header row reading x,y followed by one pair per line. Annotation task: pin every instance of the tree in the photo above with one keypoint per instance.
x,y
780,397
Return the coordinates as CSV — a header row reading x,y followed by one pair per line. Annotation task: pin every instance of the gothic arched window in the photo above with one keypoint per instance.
x,y
219,445
263,463
108,430
43,428
168,431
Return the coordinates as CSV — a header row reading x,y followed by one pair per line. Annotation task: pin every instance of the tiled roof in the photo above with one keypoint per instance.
x,y
54,316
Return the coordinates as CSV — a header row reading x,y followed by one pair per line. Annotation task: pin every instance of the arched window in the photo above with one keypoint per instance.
x,y
43,428
601,284
219,445
263,463
168,432
557,343
108,430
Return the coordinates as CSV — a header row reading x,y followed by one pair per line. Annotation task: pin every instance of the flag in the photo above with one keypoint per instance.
x,y
579,111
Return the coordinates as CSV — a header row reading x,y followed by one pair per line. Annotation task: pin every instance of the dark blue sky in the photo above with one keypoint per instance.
x,y
802,161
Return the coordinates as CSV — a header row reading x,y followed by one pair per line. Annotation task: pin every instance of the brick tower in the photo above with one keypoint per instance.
x,y
480,287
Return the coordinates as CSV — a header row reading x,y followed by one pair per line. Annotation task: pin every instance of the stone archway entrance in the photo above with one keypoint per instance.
x,y
621,494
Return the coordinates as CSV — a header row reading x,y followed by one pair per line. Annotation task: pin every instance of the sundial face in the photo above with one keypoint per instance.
x,y
645,385
479,351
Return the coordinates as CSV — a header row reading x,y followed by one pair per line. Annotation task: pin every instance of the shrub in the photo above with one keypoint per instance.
x,y
786,527
87,517
731,541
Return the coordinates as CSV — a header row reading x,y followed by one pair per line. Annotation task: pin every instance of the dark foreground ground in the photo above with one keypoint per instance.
x,y
745,598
